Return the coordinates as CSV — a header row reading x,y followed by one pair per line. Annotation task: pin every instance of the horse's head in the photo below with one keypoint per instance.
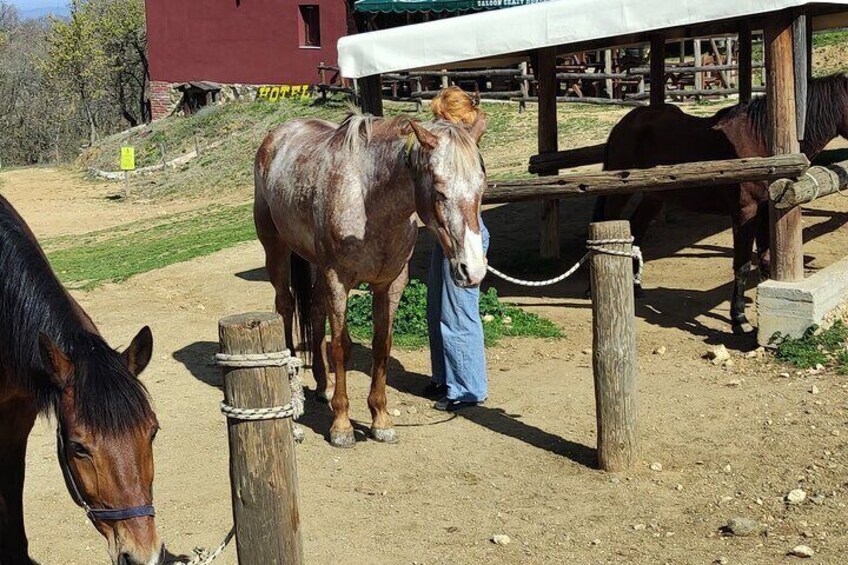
x,y
105,441
449,183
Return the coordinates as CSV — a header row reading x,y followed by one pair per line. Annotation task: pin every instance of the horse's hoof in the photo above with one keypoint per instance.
x,y
343,439
742,328
385,435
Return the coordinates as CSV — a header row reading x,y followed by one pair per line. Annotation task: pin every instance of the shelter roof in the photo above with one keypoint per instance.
x,y
498,36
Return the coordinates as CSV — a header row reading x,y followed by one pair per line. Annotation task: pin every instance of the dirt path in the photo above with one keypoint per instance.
x,y
58,202
521,465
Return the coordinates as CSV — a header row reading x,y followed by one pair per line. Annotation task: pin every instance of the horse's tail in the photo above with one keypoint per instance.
x,y
301,285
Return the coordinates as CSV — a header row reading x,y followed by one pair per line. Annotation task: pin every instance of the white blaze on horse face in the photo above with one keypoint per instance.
x,y
475,258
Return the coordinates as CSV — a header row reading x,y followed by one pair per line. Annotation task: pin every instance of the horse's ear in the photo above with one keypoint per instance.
x,y
478,128
427,139
139,352
55,362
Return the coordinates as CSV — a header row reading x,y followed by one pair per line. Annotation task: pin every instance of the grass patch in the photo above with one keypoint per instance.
x,y
410,325
815,347
100,258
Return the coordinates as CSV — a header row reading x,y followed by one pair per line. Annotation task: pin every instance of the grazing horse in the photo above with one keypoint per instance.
x,y
344,198
53,360
665,135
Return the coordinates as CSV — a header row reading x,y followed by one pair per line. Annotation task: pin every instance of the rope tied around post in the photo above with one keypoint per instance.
x,y
293,409
593,245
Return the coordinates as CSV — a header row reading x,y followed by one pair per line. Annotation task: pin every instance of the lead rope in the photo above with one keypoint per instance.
x,y
293,409
596,245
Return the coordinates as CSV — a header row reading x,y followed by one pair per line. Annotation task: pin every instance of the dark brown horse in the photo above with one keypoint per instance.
x,y
665,135
345,199
53,360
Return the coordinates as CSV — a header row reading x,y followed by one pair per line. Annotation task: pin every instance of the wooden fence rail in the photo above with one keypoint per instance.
x,y
667,177
817,182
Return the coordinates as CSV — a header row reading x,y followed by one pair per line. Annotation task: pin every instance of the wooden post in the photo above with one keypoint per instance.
x,y
525,87
126,184
608,70
699,76
657,69
745,77
682,51
371,95
614,349
164,158
787,260
263,472
445,79
548,143
800,49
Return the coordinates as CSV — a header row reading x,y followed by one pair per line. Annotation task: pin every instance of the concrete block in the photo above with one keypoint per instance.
x,y
791,308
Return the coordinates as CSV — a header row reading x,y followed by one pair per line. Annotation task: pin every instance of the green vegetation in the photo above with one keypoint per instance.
x,y
410,325
116,255
816,347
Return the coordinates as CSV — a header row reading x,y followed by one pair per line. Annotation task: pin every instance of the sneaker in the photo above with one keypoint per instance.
x,y
447,405
435,390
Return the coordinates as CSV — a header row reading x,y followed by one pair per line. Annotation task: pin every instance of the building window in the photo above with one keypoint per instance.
x,y
310,26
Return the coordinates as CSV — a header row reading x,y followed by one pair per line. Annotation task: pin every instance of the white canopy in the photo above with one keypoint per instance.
x,y
497,33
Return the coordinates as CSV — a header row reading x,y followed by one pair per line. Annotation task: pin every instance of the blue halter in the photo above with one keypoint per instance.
x,y
101,514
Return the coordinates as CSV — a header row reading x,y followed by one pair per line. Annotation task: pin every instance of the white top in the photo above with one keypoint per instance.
x,y
524,28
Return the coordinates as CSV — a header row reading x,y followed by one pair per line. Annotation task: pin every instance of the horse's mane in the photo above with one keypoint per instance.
x,y
108,399
358,130
826,99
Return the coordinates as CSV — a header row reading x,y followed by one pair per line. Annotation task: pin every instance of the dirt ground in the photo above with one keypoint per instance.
x,y
732,441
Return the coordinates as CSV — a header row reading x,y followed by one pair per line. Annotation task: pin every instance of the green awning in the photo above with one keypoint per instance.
x,y
403,6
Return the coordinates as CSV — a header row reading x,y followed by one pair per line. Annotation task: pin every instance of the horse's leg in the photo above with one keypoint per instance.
x,y
763,243
336,291
277,264
744,232
16,420
324,385
386,300
648,209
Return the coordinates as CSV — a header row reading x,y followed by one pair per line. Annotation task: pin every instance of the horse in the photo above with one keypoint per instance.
x,y
54,361
344,198
665,135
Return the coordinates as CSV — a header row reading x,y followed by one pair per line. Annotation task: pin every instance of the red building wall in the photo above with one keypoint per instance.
x,y
239,41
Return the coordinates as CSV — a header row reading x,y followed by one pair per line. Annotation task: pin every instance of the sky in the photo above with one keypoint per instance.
x,y
38,8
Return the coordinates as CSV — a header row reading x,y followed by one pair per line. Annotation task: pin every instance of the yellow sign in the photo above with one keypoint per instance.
x,y
274,93
127,158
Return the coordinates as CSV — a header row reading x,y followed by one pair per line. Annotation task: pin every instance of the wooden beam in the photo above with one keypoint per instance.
x,y
817,182
787,260
551,163
745,67
371,95
665,177
548,143
608,71
657,69
800,50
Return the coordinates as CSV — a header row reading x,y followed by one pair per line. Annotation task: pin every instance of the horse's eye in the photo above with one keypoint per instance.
x,y
154,432
440,197
79,449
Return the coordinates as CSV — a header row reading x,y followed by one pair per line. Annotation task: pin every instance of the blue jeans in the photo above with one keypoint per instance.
x,y
457,353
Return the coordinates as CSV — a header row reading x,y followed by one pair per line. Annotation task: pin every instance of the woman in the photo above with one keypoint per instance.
x,y
457,352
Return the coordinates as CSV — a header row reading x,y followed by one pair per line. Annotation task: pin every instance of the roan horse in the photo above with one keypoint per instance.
x,y
53,360
344,198
665,135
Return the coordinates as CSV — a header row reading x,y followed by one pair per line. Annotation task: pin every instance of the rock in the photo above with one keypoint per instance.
x,y
660,350
488,318
596,542
814,389
718,355
501,539
507,321
734,382
796,496
679,488
756,353
728,468
802,551
639,527
818,499
721,561
742,527
784,375
394,412
587,352
728,363
656,467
